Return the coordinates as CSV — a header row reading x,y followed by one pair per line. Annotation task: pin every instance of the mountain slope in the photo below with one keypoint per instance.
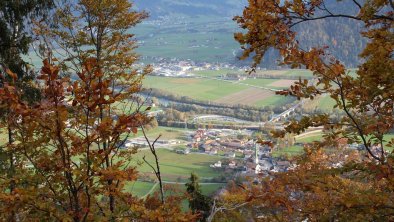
x,y
202,30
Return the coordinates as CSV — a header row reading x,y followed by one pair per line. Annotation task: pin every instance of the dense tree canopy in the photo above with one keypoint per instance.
x,y
67,158
366,98
339,185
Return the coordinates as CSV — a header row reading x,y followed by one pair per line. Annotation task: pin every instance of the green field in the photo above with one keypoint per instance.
x,y
167,133
326,103
262,82
288,151
177,167
139,188
323,103
211,90
201,89
310,138
299,73
215,73
276,100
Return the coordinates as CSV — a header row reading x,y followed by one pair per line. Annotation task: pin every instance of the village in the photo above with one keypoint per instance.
x,y
187,68
239,151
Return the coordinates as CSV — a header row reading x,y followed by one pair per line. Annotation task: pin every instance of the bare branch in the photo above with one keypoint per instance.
x,y
157,170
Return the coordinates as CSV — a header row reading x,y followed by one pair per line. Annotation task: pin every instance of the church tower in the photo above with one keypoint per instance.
x,y
256,152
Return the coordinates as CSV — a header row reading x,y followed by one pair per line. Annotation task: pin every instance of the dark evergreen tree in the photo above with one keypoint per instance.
x,y
15,37
198,202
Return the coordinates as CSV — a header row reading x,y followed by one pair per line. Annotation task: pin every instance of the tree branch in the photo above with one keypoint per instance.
x,y
157,169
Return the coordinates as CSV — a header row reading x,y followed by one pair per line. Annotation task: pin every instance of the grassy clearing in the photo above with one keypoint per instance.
x,y
303,73
206,189
289,151
177,166
326,103
310,138
209,189
139,188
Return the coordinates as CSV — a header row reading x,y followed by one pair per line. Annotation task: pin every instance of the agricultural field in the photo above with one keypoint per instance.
x,y
303,73
201,89
167,133
246,97
217,91
318,136
215,73
323,103
276,100
288,151
283,83
260,82
282,74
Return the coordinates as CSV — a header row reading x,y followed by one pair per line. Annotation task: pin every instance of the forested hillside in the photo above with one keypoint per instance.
x,y
214,16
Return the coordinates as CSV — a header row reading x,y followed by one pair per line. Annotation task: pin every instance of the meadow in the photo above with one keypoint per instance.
x,y
142,189
288,151
178,167
217,91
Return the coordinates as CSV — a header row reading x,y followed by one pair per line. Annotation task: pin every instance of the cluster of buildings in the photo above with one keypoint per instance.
x,y
140,142
224,141
241,153
176,69
180,68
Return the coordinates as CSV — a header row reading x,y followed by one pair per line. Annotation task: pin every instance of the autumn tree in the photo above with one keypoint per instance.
x,y
16,19
365,98
327,186
98,30
69,142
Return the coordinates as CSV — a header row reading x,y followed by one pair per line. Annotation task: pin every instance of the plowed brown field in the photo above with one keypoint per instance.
x,y
247,96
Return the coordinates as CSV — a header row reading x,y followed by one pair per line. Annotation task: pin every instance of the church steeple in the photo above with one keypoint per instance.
x,y
256,151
